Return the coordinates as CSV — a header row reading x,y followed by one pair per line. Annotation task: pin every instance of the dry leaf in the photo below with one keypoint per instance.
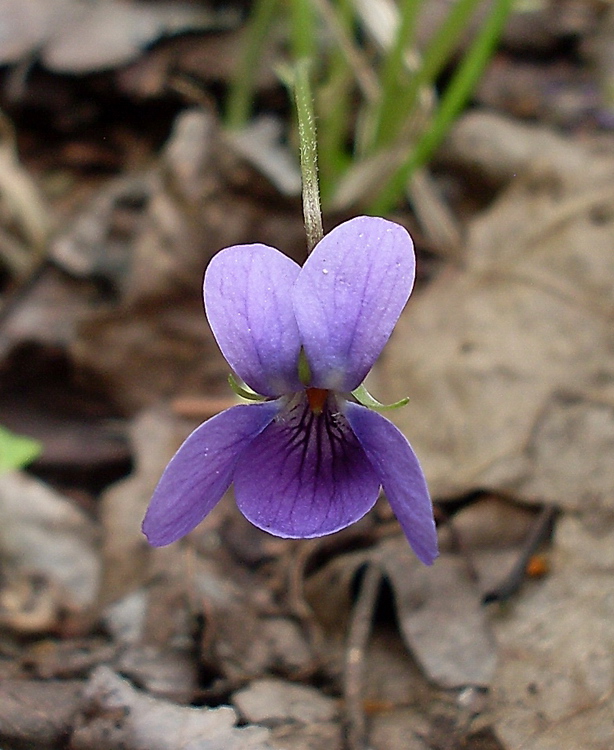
x,y
511,355
35,713
438,609
42,532
83,37
441,617
260,144
273,701
115,716
555,684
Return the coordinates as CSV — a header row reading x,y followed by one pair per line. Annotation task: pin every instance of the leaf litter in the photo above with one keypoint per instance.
x,y
341,642
509,360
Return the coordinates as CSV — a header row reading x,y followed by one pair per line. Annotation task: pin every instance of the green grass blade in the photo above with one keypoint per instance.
x,y
241,92
434,59
394,75
456,96
334,103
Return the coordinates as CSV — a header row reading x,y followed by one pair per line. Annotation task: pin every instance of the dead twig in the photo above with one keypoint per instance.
x,y
299,556
513,581
358,636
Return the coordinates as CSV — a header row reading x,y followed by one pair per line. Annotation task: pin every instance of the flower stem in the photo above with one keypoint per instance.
x,y
312,212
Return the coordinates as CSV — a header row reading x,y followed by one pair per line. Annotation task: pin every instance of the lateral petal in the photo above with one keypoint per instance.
x,y
401,476
247,292
201,471
348,297
305,475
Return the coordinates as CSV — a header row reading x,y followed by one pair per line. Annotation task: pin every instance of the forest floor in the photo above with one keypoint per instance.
x,y
117,185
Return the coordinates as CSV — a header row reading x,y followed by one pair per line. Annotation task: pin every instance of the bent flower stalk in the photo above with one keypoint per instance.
x,y
307,460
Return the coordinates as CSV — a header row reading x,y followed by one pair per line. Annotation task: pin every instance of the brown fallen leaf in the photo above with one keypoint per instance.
x,y
442,619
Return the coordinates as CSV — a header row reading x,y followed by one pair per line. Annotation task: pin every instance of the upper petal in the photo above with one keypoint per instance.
x,y
249,307
201,471
401,476
348,297
305,475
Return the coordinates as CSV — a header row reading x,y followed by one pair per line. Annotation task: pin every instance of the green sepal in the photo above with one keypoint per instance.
x,y
362,395
243,390
16,451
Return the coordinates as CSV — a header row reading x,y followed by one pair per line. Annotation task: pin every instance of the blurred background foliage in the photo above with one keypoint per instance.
x,y
385,94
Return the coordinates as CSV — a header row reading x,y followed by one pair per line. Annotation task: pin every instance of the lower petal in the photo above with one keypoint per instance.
x,y
201,471
305,475
401,476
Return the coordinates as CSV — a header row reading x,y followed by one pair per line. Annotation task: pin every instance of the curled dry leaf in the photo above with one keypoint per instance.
x,y
154,435
114,715
438,610
441,618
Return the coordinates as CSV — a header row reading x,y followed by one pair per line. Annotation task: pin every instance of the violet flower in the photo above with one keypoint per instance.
x,y
308,460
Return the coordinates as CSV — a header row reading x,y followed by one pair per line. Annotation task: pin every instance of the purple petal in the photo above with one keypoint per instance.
x,y
247,292
305,475
401,476
348,297
201,471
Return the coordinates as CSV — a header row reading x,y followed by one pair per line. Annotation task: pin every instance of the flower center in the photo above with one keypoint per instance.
x,y
316,398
